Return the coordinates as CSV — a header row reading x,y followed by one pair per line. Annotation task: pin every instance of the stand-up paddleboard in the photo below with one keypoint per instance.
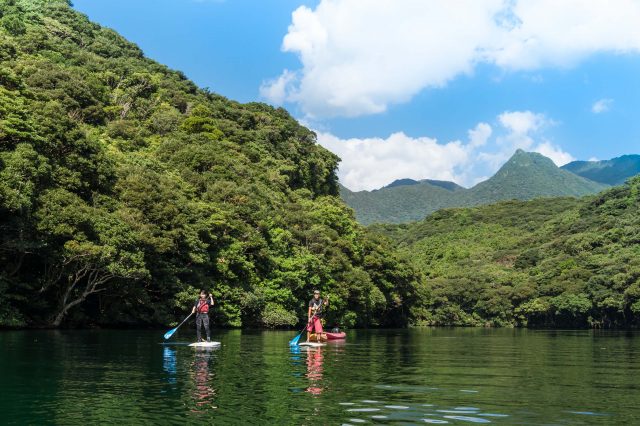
x,y
312,344
204,344
328,336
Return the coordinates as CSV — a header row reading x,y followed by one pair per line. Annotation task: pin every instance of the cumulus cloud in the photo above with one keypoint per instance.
x,y
276,90
554,152
371,163
479,135
358,57
601,105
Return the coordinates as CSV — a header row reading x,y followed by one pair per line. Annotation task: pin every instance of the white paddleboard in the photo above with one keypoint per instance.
x,y
312,344
204,344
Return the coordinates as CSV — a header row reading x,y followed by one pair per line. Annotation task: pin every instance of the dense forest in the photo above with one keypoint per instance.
x,y
124,188
557,262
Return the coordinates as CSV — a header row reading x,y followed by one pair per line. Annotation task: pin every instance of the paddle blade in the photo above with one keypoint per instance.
x,y
169,333
294,341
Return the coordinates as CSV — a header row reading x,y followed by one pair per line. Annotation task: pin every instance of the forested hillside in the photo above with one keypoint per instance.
x,y
558,262
124,188
611,172
527,175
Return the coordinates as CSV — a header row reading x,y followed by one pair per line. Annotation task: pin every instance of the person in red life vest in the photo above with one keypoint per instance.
x,y
315,314
201,309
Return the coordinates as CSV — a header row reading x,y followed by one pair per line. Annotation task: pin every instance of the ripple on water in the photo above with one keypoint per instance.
x,y
419,413
587,413
468,419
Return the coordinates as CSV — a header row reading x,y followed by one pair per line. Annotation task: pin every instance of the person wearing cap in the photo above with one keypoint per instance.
x,y
317,306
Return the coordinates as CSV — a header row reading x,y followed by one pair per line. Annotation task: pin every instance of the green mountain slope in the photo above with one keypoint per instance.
x,y
451,186
397,204
560,262
525,176
124,188
611,172
529,175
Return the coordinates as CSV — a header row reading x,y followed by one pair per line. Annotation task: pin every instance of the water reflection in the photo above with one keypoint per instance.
x,y
416,413
315,360
170,364
204,392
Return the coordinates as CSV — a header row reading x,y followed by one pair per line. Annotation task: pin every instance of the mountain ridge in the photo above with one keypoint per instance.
x,y
615,171
525,176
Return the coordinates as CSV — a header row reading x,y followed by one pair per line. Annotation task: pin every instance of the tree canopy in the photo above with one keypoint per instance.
x,y
124,188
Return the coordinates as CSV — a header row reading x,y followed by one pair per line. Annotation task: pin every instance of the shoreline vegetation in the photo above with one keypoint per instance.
x,y
124,188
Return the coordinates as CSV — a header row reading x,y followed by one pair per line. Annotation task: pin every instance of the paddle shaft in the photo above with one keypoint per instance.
x,y
185,320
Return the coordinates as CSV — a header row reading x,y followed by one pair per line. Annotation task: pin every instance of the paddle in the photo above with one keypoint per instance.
x,y
294,341
170,333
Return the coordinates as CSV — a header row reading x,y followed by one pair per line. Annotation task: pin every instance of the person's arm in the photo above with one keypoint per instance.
x,y
309,314
326,301
193,311
211,301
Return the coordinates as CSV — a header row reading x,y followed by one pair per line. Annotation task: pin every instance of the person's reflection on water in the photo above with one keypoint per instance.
x,y
314,371
204,392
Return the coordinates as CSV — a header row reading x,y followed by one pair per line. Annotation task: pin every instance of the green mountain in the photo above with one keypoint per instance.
x,y
397,204
529,175
555,262
450,186
124,188
525,176
611,172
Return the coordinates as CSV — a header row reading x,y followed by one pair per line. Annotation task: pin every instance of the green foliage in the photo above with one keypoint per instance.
x,y
552,262
524,177
124,188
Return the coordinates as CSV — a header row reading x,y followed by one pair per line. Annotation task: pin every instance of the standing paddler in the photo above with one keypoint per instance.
x,y
201,309
315,314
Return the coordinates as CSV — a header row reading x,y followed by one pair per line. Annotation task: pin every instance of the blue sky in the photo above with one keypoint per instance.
x,y
412,88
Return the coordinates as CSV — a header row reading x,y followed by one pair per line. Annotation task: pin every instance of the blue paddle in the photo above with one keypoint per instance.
x,y
294,341
170,333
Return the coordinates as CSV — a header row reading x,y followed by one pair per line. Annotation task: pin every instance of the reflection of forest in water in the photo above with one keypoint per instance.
x,y
452,375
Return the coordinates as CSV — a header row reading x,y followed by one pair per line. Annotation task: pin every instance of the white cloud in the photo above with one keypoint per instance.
x,y
276,89
521,123
370,163
601,105
555,153
359,57
479,135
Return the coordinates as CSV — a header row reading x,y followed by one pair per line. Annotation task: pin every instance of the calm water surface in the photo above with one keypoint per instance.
x,y
437,376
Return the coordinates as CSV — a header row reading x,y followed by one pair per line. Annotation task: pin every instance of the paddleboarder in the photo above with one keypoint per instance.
x,y
201,309
317,306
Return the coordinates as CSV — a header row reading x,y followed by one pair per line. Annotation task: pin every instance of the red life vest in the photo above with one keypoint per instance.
x,y
203,307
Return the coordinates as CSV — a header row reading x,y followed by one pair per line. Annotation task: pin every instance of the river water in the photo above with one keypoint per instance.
x,y
416,376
